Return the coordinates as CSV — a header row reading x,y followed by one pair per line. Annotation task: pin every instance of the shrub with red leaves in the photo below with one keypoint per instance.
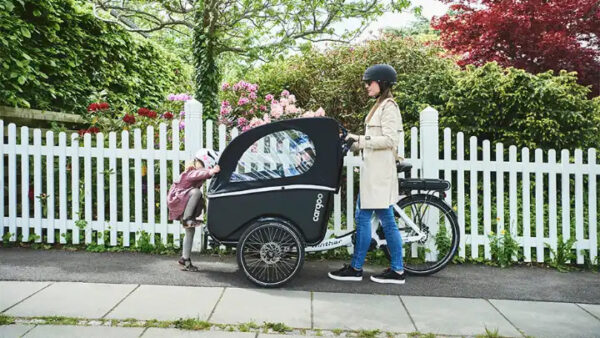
x,y
535,35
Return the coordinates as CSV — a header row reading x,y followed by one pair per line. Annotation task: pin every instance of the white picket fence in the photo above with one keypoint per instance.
x,y
576,207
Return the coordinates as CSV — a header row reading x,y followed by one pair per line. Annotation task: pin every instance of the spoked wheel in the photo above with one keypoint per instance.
x,y
270,252
430,249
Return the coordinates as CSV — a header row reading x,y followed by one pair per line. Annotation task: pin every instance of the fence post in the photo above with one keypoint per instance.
x,y
194,132
429,140
194,135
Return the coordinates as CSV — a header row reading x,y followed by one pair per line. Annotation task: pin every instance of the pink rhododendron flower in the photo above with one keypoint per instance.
x,y
255,122
269,97
225,86
285,93
171,97
276,110
242,121
309,114
252,96
320,112
266,118
292,98
225,110
284,102
291,109
242,101
263,108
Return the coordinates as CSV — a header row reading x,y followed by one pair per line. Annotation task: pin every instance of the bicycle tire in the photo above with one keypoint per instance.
x,y
452,220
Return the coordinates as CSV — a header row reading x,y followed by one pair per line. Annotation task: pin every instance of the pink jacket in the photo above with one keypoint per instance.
x,y
177,197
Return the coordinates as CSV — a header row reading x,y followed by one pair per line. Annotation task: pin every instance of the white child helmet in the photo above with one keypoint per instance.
x,y
208,157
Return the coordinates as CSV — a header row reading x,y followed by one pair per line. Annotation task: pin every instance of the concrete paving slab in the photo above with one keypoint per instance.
x,y
68,331
592,308
168,303
12,331
549,319
456,316
168,333
81,300
347,312
12,292
261,305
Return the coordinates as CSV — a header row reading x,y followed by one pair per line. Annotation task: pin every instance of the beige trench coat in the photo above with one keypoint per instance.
x,y
379,146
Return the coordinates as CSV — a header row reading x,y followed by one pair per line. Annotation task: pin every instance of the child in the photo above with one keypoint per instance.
x,y
186,202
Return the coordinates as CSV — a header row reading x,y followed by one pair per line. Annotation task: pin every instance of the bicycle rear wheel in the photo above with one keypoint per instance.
x,y
437,221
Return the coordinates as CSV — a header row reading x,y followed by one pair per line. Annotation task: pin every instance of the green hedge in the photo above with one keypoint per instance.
x,y
502,105
56,55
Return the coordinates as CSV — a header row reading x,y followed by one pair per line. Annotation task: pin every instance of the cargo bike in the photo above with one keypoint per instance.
x,y
274,197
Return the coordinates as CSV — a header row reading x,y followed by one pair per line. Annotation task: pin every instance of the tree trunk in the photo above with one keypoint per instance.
x,y
206,75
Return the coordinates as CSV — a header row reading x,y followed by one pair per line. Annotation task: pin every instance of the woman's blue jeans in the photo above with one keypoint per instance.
x,y
363,236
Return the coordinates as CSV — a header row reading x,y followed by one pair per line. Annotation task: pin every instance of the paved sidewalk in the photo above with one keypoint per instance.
x,y
306,312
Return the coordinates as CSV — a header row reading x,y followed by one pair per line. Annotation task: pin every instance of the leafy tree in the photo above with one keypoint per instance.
x,y
252,29
535,35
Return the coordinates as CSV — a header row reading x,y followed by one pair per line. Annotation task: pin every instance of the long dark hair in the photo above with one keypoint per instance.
x,y
385,93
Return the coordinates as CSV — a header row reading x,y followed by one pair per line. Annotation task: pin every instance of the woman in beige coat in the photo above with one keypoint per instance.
x,y
378,178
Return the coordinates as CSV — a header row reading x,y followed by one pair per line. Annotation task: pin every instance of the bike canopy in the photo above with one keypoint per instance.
x,y
303,151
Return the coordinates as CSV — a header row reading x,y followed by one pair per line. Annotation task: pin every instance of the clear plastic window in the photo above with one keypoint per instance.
x,y
281,154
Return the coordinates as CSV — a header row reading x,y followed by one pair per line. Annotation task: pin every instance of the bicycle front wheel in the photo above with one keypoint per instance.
x,y
430,242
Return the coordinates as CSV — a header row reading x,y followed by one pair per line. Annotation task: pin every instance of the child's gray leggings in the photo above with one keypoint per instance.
x,y
187,242
192,210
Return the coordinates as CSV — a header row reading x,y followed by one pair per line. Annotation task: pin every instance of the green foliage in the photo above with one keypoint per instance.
x,y
56,55
518,108
503,248
443,242
206,74
191,324
563,254
490,334
332,79
277,327
6,320
368,333
503,105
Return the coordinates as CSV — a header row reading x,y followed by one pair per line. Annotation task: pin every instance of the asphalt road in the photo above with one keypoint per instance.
x,y
467,280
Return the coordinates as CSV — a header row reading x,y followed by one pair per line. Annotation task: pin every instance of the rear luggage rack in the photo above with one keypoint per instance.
x,y
427,184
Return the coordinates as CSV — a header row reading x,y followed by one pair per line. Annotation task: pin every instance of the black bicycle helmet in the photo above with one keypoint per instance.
x,y
382,73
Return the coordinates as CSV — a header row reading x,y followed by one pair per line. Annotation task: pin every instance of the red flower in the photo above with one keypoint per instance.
x,y
129,119
93,107
143,111
82,132
97,106
152,114
93,130
168,115
30,193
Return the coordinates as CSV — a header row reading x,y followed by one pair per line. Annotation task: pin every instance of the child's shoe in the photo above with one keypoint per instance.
x,y
188,266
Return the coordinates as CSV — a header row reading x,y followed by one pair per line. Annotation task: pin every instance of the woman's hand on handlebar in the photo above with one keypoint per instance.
x,y
352,137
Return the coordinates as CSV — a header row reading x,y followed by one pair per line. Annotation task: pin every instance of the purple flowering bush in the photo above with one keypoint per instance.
x,y
241,106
